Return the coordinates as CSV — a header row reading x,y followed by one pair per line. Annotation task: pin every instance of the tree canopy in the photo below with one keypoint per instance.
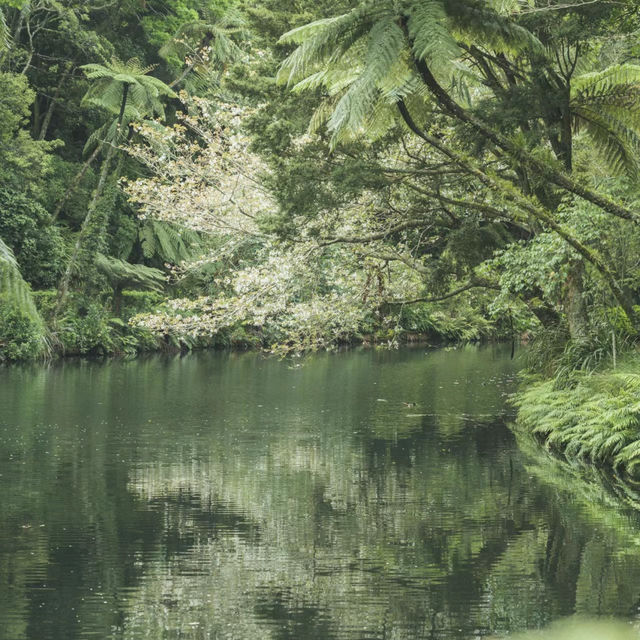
x,y
329,172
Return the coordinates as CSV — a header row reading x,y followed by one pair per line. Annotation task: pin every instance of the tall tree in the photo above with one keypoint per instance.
x,y
126,90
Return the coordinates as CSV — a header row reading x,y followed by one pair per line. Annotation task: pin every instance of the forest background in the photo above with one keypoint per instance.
x,y
294,176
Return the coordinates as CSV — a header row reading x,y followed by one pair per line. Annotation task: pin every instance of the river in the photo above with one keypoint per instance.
x,y
364,495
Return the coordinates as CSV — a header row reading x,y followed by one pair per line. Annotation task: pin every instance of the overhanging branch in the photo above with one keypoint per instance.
x,y
473,284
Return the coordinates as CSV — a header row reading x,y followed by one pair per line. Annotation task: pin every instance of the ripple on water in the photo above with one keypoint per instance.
x,y
363,495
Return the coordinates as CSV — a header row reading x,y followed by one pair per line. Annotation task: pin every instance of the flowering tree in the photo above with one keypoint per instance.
x,y
315,290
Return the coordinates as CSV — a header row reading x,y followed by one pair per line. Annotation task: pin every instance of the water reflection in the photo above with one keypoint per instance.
x,y
363,495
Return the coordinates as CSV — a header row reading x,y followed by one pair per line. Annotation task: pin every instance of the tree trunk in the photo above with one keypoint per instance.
x,y
117,299
35,115
543,169
63,288
574,305
44,127
543,215
76,181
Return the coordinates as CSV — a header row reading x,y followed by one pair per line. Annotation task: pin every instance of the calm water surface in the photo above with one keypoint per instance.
x,y
231,496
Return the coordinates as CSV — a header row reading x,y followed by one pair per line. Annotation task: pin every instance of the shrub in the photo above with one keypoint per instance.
x,y
134,302
37,244
85,330
21,337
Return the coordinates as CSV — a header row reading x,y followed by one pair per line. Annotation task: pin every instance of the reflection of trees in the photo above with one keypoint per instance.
x,y
189,507
71,525
602,560
363,533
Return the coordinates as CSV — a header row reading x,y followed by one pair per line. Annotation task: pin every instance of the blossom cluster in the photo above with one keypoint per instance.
x,y
315,292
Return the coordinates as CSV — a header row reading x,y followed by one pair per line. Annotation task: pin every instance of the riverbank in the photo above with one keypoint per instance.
x,y
94,328
596,418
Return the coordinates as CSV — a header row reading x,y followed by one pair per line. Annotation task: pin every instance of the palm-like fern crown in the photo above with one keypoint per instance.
x,y
132,275
168,242
222,33
365,60
606,105
144,92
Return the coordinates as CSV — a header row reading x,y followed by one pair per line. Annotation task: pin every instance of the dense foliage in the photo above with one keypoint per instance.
x,y
300,176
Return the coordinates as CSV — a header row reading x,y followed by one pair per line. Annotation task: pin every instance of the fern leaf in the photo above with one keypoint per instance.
x,y
386,42
13,287
5,36
325,40
475,22
430,34
131,275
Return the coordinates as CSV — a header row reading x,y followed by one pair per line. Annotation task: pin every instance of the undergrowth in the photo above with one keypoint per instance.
x,y
596,419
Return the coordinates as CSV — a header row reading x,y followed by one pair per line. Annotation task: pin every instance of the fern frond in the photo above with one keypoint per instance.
x,y
320,116
508,7
475,22
327,40
599,422
130,275
108,89
109,132
406,85
5,36
611,84
303,33
430,33
386,42
313,81
606,104
169,242
14,288
617,143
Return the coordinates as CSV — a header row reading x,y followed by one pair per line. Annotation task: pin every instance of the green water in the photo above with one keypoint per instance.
x,y
237,497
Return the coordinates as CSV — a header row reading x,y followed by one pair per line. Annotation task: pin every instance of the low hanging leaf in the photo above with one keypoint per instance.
x,y
606,106
130,275
13,287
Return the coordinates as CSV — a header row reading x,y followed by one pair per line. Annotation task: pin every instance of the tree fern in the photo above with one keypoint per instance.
x,y
220,35
144,93
121,88
168,242
366,54
126,274
606,105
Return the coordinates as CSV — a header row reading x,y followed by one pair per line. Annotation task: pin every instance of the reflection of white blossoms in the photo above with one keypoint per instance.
x,y
315,292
